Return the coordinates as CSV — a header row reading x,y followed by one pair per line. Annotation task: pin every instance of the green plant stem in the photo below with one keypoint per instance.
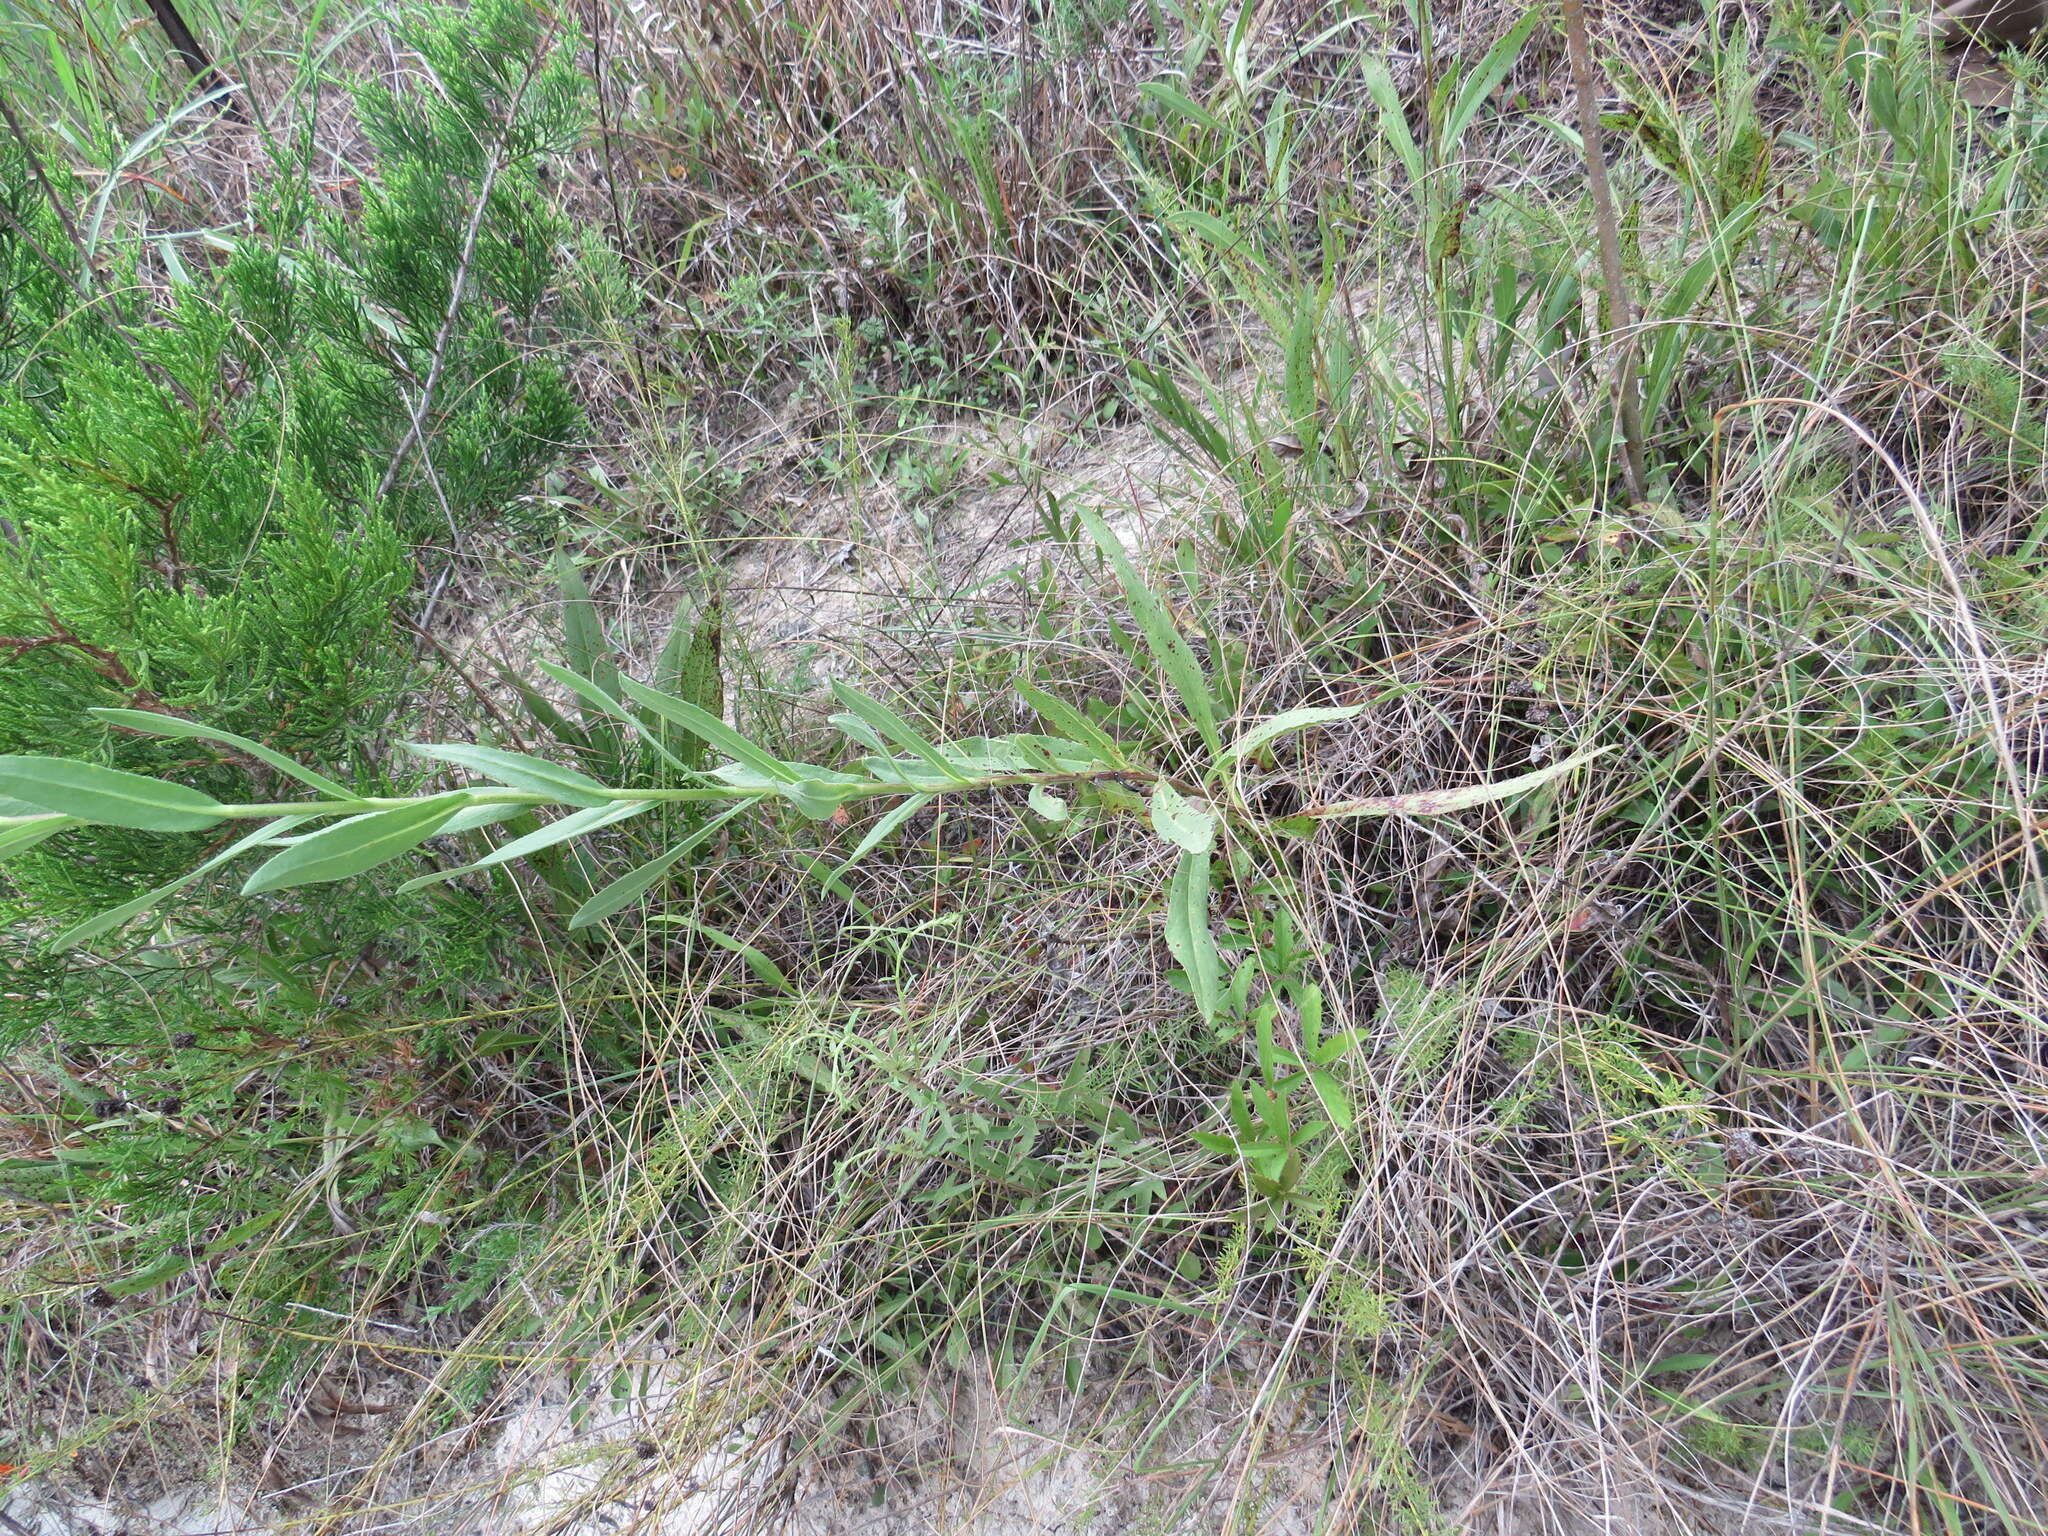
x,y
495,796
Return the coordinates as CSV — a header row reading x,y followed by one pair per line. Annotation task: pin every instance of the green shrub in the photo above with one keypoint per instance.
x,y
218,493
210,496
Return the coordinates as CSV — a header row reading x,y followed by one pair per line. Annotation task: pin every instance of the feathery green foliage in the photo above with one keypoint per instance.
x,y
214,492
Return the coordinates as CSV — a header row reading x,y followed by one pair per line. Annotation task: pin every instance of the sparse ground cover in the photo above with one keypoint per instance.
x,y
953,768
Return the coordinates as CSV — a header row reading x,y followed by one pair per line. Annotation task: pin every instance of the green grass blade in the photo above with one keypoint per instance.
x,y
1168,647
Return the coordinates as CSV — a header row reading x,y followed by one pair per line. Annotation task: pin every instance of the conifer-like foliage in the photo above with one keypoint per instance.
x,y
213,490
230,465
426,393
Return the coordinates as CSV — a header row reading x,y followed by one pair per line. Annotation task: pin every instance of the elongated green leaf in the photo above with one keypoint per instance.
x,y
1379,84
1180,820
115,917
575,824
106,797
1336,1102
544,714
861,733
348,821
481,816
518,770
18,834
150,723
1188,938
1486,77
1266,732
603,704
1182,104
1070,722
908,772
1671,344
1170,402
1035,759
1298,375
352,846
1268,1160
894,727
1441,802
819,799
1169,649
601,699
583,637
883,827
764,969
1229,242
703,723
630,886
991,756
1054,754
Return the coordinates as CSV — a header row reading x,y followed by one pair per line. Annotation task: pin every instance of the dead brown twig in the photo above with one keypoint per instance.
x,y
1618,312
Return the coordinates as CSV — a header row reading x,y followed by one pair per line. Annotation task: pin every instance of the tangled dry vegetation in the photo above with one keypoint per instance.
x,y
1660,1143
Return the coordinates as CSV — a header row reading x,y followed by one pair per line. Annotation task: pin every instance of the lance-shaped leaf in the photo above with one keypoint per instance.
x,y
764,969
820,799
817,792
583,637
635,883
906,771
689,669
891,727
18,834
897,815
519,770
1188,938
352,846
575,824
1475,87
1054,754
702,722
1046,804
114,917
107,797
1441,802
480,816
149,722
1266,732
603,703
1168,647
1070,722
1330,1089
